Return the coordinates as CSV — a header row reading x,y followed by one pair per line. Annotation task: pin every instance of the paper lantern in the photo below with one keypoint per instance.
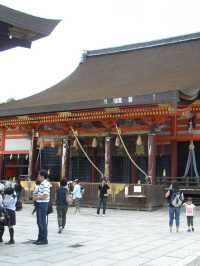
x,y
117,141
139,140
94,143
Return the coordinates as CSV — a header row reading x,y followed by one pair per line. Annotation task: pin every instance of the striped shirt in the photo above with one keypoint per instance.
x,y
44,189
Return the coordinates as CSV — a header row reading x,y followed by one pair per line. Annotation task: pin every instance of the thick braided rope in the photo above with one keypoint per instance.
x,y
126,150
84,152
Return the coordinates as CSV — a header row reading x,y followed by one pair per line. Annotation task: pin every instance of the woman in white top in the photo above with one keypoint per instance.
x,y
77,195
9,204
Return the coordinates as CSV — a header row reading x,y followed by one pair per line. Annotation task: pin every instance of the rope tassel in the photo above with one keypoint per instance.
x,y
126,150
84,152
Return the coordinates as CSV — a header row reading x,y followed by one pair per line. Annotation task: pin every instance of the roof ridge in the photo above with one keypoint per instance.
x,y
142,45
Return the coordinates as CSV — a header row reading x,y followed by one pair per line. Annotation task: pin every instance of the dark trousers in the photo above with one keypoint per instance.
x,y
41,211
102,201
190,221
61,215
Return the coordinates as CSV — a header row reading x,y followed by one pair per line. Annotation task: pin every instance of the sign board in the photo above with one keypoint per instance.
x,y
137,189
17,144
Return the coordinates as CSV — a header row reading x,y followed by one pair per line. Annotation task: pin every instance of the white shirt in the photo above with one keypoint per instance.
x,y
9,202
189,209
77,192
44,189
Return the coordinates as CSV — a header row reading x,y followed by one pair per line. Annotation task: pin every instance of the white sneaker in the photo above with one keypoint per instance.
x,y
103,215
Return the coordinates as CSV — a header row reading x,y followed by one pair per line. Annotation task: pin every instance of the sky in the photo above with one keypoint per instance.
x,y
87,25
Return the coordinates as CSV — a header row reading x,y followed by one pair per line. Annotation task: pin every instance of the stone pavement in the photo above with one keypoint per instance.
x,y
121,238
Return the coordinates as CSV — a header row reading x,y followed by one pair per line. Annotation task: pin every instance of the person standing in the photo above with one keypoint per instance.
x,y
77,195
102,195
18,189
62,205
175,200
189,208
42,198
9,205
2,213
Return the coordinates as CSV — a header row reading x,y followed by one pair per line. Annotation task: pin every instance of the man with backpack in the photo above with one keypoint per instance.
x,y
175,200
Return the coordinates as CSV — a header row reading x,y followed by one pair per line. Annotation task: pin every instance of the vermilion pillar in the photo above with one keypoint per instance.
x,y
108,158
65,158
134,178
152,158
174,159
32,171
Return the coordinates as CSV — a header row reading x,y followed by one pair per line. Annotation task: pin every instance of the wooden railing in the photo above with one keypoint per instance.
x,y
186,182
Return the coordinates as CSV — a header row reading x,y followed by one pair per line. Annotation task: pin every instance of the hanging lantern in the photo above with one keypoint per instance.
x,y
52,144
191,146
139,146
75,144
94,143
117,141
59,152
139,140
26,157
164,172
49,171
18,156
11,156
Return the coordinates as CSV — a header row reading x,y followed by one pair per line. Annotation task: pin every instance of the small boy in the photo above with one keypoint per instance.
x,y
189,207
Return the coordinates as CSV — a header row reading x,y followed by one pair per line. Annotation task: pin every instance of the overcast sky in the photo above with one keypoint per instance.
x,y
86,25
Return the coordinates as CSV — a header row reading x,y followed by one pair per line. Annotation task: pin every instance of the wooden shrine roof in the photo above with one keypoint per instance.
x,y
149,72
20,29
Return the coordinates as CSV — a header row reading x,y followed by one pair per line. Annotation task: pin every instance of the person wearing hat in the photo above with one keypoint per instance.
x,y
102,195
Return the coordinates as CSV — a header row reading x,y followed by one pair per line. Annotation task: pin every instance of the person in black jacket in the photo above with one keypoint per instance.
x,y
62,204
18,189
102,195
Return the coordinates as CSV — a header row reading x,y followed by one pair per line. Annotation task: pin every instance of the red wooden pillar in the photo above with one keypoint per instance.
x,y
174,159
32,171
134,178
65,158
152,158
2,147
108,158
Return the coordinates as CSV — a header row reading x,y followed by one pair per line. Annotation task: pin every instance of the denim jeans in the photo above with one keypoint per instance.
x,y
42,208
174,213
102,201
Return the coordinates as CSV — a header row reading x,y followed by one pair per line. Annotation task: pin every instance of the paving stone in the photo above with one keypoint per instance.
x,y
121,238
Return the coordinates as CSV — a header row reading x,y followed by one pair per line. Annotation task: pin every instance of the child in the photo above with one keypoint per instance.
x,y
189,207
